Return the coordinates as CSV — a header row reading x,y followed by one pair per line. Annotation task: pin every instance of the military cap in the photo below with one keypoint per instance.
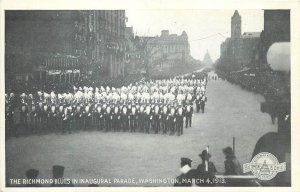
x,y
186,161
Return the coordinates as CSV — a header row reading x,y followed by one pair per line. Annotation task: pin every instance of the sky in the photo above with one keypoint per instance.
x,y
206,29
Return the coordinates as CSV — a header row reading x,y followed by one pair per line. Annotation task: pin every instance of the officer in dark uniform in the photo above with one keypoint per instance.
x,y
148,118
97,115
203,102
125,118
12,100
78,117
60,117
39,116
66,120
87,117
156,118
188,174
197,101
133,118
188,115
23,115
93,110
129,108
72,109
165,119
44,119
108,118
172,119
33,117
142,118
102,117
53,118
179,117
116,117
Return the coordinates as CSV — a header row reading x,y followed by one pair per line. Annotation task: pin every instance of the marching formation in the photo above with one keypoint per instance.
x,y
164,106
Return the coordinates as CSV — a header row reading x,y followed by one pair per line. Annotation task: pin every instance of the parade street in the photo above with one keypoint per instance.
x,y
230,112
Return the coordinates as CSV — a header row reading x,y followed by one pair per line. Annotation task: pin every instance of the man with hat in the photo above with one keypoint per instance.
x,y
197,101
172,119
125,116
165,119
179,117
52,115
133,118
78,117
203,102
188,115
33,117
116,118
108,116
142,118
156,117
206,171
187,174
58,174
44,117
87,117
23,111
232,167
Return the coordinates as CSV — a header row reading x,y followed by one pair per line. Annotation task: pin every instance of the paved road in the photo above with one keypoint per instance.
x,y
230,112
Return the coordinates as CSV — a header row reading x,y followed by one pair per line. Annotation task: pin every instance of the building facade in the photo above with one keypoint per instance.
x,y
63,45
171,48
238,51
134,62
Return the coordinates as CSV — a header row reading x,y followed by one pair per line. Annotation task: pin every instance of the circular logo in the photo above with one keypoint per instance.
x,y
265,166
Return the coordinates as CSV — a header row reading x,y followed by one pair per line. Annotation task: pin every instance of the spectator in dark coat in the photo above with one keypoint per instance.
x,y
206,171
188,174
233,167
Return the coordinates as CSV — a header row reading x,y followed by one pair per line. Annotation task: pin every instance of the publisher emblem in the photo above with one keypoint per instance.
x,y
264,166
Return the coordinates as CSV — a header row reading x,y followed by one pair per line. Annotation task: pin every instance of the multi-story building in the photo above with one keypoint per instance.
x,y
238,51
39,43
170,47
60,45
134,63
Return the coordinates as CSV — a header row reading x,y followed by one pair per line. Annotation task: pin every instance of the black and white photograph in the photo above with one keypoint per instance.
x,y
147,98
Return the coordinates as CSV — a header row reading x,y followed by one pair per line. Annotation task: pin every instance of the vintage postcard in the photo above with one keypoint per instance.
x,y
145,94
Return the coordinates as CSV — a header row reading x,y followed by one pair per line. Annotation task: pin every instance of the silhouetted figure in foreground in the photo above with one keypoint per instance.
x,y
206,171
188,174
58,174
32,174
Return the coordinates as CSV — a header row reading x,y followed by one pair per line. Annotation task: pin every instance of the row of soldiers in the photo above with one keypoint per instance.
x,y
161,107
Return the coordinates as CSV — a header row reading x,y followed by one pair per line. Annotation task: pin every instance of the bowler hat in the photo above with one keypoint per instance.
x,y
205,155
228,151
